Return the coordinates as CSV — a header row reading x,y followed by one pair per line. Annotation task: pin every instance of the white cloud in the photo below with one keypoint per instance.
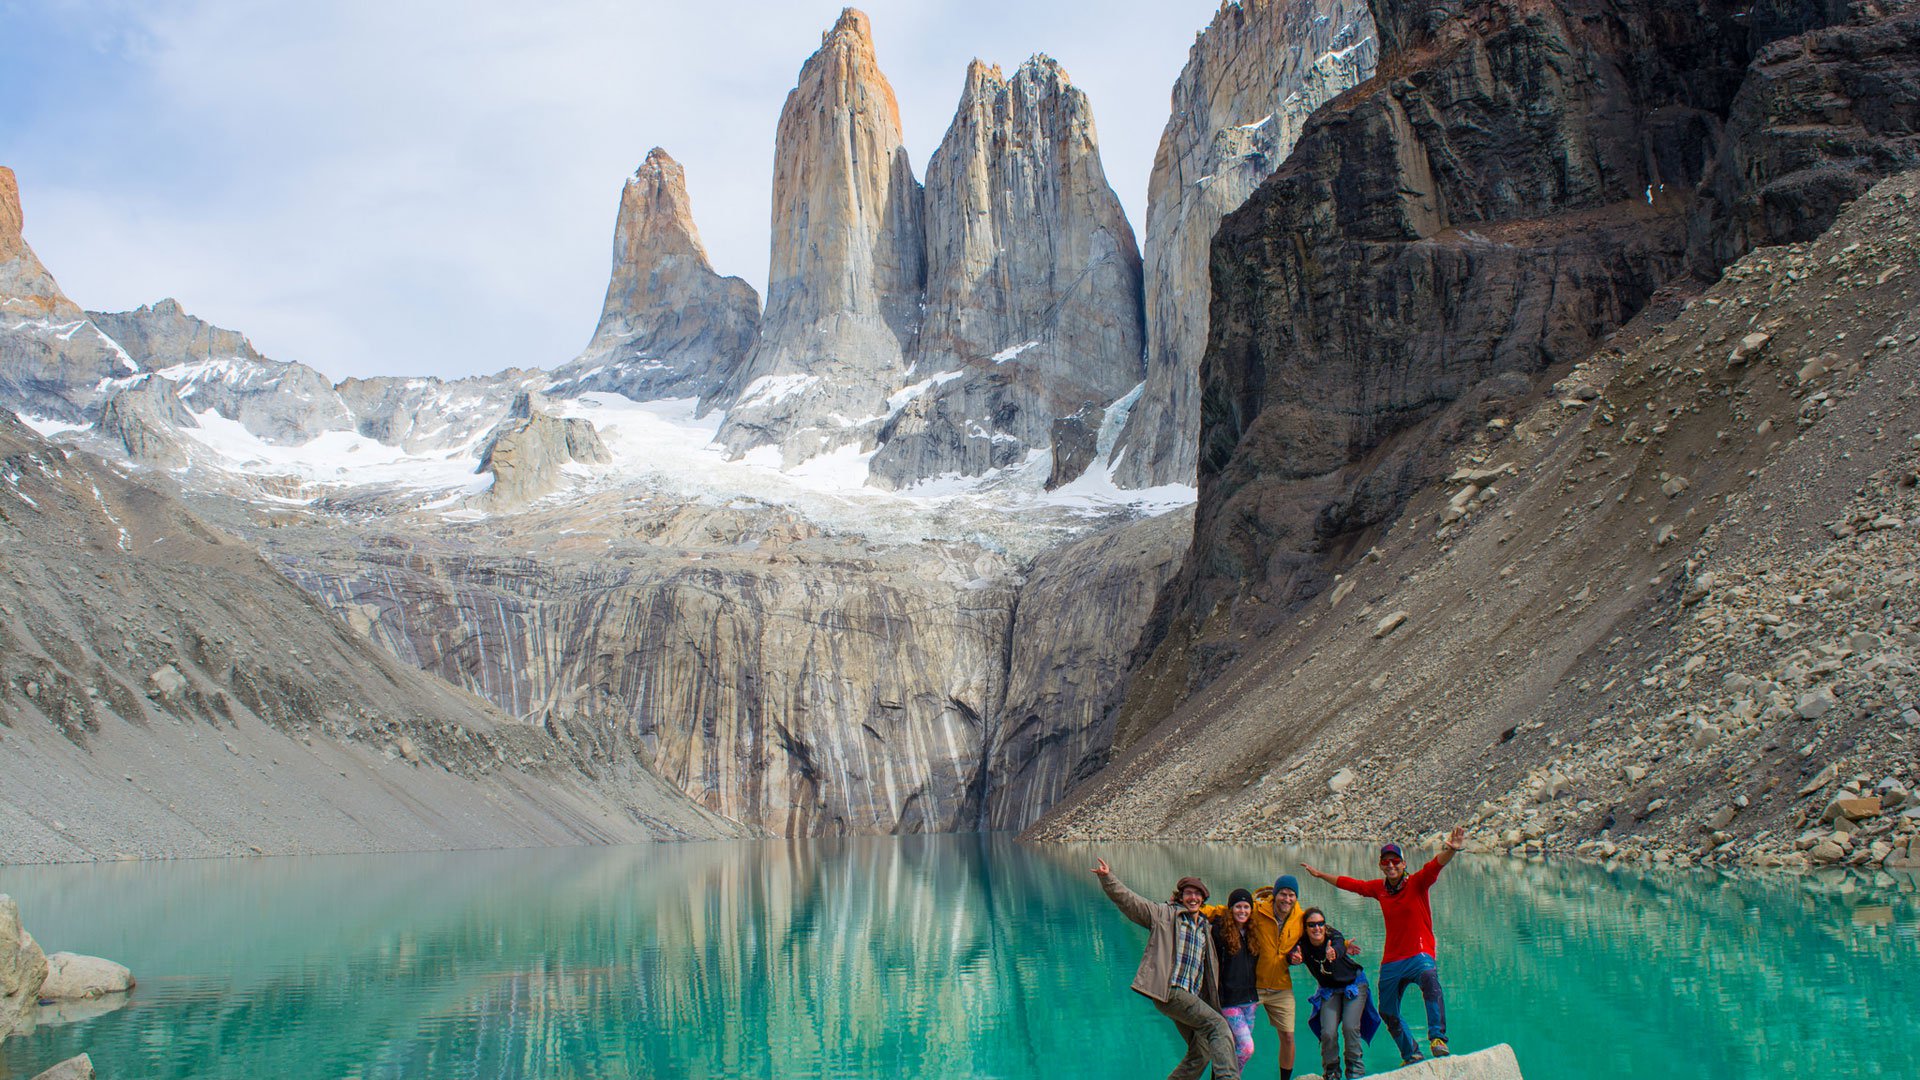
x,y
429,187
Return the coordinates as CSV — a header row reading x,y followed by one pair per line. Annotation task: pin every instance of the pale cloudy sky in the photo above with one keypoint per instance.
x,y
429,186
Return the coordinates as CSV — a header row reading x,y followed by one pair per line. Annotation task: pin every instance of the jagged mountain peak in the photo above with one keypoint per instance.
x,y
656,215
848,268
670,325
851,30
25,285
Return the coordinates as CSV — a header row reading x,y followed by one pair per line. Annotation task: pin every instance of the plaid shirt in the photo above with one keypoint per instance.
x,y
1192,948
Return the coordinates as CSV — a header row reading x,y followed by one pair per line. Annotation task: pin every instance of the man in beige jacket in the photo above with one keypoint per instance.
x,y
1178,972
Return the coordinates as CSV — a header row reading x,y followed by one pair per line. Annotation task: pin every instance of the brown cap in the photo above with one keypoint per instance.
x,y
1190,883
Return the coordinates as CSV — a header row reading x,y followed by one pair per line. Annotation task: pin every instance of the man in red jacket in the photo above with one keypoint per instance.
x,y
1408,956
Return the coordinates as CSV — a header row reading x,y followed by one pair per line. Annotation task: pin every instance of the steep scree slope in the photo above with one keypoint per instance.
x,y
1667,610
164,692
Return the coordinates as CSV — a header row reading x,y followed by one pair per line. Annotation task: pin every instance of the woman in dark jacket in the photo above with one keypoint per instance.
x,y
1343,1001
1239,995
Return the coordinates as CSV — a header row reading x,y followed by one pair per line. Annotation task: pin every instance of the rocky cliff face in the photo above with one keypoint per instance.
x,y
1033,281
1484,210
670,327
1483,217
220,370
1819,118
849,266
1078,618
164,692
787,677
144,420
527,451
1251,80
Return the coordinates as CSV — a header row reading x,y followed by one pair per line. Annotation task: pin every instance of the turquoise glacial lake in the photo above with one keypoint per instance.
x,y
927,957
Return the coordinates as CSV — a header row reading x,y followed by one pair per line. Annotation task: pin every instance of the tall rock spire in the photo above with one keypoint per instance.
x,y
26,289
1033,281
670,326
1252,79
848,267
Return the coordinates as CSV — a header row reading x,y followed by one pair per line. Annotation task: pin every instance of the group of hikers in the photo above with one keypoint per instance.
x,y
1210,967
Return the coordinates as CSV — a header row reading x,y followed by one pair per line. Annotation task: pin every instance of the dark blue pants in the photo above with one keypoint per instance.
x,y
1418,971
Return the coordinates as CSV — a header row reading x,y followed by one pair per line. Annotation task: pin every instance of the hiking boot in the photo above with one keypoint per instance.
x,y
1414,1060
1439,1048
1330,1072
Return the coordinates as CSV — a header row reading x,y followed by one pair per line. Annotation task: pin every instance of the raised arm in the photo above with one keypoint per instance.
x,y
1347,884
1131,904
1456,840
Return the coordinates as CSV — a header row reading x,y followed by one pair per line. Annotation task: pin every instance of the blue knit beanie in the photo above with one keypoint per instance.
x,y
1287,881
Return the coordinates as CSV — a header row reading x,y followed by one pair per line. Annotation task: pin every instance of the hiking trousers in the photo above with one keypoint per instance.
x,y
1209,1040
1340,1013
1418,970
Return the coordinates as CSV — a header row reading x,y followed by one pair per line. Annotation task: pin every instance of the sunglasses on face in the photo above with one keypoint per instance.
x,y
1316,926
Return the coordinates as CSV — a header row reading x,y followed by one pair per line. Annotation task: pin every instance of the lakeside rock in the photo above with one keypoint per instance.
x,y
74,977
1494,1063
74,1068
23,968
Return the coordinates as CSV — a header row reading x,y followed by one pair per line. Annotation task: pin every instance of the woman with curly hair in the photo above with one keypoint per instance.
x,y
1239,993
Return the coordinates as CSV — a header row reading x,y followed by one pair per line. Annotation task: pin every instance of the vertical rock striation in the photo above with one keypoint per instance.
x,y
1074,631
1251,80
1033,281
848,268
670,326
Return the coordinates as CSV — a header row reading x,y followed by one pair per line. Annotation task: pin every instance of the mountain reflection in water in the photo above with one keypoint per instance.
x,y
969,956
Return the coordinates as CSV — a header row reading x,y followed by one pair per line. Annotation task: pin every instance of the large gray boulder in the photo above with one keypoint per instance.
x,y
74,977
23,968
527,451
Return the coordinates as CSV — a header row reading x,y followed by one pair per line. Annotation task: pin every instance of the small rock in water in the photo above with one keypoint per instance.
x,y
74,1068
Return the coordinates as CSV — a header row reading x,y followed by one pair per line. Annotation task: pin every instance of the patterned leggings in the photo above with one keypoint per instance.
x,y
1240,1019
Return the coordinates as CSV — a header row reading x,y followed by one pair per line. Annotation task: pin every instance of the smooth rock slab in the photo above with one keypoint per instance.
x,y
74,1068
1493,1063
71,976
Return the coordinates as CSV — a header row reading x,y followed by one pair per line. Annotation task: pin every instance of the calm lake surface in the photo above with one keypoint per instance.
x,y
923,957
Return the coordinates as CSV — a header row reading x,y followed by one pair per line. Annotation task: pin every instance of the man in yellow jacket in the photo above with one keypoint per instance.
x,y
1275,930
